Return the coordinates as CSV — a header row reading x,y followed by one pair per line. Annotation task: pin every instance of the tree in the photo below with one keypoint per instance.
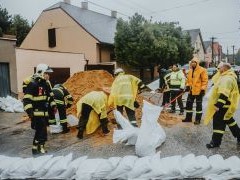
x,y
5,20
141,43
19,27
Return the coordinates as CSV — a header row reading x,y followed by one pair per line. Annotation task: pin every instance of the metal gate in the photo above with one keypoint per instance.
x,y
4,80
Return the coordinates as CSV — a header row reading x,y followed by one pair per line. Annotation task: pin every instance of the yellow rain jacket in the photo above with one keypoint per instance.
x,y
227,85
98,101
197,80
124,91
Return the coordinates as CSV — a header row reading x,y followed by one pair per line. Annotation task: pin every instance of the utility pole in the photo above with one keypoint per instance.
x,y
227,54
212,39
233,55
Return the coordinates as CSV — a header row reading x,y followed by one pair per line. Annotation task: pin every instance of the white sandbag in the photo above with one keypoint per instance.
x,y
44,169
233,163
165,168
18,170
58,167
189,165
87,168
151,135
72,120
18,106
218,165
142,166
128,135
10,104
204,163
121,120
103,170
125,165
72,168
7,162
55,129
9,109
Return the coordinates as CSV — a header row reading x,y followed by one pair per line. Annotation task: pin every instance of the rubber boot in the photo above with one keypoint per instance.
x,y
188,117
65,128
35,150
80,134
42,149
104,123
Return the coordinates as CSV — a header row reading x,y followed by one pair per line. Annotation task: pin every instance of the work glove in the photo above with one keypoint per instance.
x,y
202,93
187,89
136,104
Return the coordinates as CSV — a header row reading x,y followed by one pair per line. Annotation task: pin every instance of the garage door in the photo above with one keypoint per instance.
x,y
4,80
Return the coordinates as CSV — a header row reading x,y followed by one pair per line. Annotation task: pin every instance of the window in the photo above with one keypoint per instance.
x,y
52,37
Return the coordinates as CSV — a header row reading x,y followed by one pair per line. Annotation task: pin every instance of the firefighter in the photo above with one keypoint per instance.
x,y
165,88
177,86
196,85
92,112
123,94
37,98
222,105
63,100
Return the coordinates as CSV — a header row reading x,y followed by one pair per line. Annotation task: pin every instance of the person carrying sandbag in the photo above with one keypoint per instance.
x,y
123,94
92,110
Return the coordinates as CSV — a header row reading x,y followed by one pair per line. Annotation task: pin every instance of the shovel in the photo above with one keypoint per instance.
x,y
168,104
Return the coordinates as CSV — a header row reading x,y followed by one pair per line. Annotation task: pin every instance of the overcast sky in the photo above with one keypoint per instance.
x,y
218,18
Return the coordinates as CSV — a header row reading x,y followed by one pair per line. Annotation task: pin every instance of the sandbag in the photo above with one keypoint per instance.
x,y
58,167
125,165
72,168
151,135
72,120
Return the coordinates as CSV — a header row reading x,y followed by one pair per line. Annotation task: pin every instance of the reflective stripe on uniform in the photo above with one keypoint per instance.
x,y
51,94
39,98
68,96
189,111
63,120
58,101
226,106
221,101
199,112
28,106
27,96
232,124
39,113
218,131
70,102
58,89
52,104
52,120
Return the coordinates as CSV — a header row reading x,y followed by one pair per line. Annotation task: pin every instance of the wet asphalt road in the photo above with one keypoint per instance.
x,y
182,139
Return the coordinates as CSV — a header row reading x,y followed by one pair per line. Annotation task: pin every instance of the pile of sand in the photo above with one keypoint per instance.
x,y
82,83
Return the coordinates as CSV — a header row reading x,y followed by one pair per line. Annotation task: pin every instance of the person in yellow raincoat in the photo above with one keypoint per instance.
x,y
123,94
196,85
92,109
222,104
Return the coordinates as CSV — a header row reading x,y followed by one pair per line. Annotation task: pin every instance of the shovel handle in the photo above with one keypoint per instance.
x,y
174,99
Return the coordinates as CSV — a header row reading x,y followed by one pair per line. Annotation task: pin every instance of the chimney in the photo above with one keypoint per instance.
x,y
114,14
85,5
67,1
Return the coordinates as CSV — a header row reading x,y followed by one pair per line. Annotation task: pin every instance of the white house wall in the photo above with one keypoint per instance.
x,y
26,60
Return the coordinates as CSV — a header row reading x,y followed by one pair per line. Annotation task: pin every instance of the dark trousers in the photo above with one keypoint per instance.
x,y
130,113
219,125
52,119
40,136
62,113
174,94
189,107
166,98
86,110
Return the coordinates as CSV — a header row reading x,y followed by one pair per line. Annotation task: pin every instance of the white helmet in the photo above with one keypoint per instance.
x,y
118,70
42,68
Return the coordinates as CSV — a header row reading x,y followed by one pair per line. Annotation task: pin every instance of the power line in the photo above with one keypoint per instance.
x,y
180,6
106,8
